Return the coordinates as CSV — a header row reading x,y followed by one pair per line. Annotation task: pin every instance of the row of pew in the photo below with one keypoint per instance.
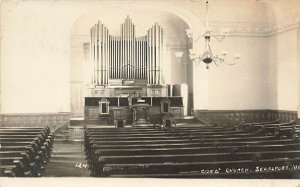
x,y
282,130
24,151
190,152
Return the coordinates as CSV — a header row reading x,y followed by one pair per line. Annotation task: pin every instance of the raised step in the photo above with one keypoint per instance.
x,y
69,152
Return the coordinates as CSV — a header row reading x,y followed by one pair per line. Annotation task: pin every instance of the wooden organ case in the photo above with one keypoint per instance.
x,y
125,65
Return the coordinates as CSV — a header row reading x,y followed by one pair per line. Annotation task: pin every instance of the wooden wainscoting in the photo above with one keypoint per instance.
x,y
53,120
234,117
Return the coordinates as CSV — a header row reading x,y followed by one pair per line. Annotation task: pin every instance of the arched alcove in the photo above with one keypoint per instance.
x,y
175,39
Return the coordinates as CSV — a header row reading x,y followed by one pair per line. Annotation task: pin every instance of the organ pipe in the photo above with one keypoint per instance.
x,y
92,55
96,54
148,58
126,56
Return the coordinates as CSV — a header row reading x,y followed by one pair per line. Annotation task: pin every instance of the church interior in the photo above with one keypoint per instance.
x,y
150,89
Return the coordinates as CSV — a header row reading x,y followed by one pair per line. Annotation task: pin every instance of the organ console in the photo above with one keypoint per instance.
x,y
127,56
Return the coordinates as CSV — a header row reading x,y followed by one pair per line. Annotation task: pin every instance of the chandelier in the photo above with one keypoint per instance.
x,y
207,56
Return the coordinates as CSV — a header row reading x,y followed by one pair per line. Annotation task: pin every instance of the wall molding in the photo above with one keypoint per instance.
x,y
235,117
248,28
53,120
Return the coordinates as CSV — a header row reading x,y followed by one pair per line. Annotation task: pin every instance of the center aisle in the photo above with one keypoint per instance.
x,y
67,158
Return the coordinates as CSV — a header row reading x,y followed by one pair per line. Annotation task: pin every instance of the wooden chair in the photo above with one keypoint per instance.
x,y
119,117
104,111
167,118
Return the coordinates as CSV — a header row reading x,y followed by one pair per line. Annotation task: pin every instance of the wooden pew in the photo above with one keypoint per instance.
x,y
30,147
163,134
35,155
142,136
106,151
157,128
134,152
40,138
33,152
96,149
173,168
24,136
12,140
215,143
270,128
129,130
43,132
133,130
92,145
142,142
24,129
240,173
196,157
41,148
170,152
11,170
160,133
19,162
194,138
288,132
20,135
250,125
29,132
29,165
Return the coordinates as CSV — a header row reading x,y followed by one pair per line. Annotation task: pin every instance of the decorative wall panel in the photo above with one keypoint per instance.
x,y
53,120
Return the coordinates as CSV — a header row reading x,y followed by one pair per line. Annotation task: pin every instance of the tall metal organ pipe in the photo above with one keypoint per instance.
x,y
126,57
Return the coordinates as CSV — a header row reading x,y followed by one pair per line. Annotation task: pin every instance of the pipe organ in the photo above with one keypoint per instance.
x,y
126,57
127,71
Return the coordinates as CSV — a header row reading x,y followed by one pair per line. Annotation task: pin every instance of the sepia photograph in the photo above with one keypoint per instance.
x,y
163,92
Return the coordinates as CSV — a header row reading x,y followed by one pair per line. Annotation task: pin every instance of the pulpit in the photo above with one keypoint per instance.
x,y
140,113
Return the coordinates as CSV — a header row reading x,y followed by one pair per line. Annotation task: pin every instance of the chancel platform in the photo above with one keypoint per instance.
x,y
134,112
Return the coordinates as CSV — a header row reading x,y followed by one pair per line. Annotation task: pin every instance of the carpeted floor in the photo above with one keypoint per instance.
x,y
67,158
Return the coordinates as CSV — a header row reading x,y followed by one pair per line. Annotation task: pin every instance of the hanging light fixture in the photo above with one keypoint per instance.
x,y
207,56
